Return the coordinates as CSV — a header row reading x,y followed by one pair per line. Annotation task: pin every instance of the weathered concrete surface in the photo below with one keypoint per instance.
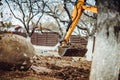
x,y
15,52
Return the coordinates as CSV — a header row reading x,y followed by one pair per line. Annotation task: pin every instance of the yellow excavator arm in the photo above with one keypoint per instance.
x,y
76,14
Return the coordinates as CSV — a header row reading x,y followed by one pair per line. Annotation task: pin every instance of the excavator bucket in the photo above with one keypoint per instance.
x,y
72,50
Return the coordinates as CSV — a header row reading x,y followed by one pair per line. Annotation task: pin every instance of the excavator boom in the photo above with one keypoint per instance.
x,y
64,49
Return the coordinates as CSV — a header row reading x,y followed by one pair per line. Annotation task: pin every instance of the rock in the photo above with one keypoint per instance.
x,y
15,52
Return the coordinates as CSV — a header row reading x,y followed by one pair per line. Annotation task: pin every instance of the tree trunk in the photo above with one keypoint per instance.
x,y
105,65
90,49
28,38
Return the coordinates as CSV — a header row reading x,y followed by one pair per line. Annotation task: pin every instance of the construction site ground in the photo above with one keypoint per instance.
x,y
52,68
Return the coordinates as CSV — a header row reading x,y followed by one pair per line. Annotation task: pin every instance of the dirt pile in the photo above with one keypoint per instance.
x,y
62,67
73,49
52,68
15,52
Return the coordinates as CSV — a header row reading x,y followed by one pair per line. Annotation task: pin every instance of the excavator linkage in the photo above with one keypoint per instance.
x,y
74,50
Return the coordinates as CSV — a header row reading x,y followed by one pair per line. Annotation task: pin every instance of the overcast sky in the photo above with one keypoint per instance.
x,y
8,17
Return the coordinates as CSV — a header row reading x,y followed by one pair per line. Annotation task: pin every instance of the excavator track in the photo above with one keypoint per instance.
x,y
72,50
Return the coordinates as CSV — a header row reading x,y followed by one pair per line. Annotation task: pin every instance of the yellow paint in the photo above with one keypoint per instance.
x,y
77,12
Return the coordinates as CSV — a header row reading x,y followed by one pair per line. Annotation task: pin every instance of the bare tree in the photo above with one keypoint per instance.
x,y
59,11
26,11
64,16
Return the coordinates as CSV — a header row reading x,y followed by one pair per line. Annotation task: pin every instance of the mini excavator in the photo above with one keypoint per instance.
x,y
64,48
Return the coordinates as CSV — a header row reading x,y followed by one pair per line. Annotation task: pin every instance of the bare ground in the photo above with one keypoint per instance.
x,y
52,68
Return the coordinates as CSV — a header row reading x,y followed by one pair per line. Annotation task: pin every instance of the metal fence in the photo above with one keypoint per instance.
x,y
51,38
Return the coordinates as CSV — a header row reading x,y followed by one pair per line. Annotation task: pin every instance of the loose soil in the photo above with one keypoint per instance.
x,y
52,68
